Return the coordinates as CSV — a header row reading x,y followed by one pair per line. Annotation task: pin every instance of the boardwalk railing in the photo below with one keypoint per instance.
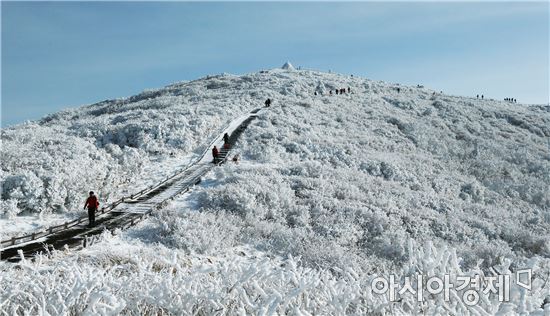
x,y
54,229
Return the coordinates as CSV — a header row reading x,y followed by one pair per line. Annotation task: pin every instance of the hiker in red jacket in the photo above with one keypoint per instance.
x,y
215,154
92,203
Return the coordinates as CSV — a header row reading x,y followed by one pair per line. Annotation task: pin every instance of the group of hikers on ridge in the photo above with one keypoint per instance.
x,y
513,100
336,91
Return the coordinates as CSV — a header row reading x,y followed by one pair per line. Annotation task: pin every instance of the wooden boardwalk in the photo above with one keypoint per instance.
x,y
121,214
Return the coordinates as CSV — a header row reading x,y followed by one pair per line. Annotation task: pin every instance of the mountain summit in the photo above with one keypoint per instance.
x,y
288,66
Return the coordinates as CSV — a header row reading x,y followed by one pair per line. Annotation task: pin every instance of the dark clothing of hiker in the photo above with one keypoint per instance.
x,y
215,154
268,102
91,216
225,138
349,90
92,204
336,91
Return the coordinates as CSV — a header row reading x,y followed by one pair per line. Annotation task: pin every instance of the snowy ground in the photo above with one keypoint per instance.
x,y
331,192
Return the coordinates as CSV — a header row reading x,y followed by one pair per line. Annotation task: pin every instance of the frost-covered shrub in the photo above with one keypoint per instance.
x,y
124,277
216,84
438,104
8,208
405,104
260,199
205,233
24,187
472,191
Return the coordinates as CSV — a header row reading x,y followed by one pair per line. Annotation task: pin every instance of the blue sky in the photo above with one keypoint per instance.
x,y
57,55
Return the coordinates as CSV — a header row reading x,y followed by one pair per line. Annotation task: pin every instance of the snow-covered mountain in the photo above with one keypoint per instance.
x,y
382,179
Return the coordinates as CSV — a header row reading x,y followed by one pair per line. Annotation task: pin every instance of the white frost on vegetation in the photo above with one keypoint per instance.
x,y
330,192
126,277
50,164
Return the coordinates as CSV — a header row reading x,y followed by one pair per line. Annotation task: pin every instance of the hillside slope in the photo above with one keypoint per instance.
x,y
50,164
331,190
359,174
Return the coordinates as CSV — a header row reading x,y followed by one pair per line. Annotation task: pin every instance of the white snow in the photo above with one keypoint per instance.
x,y
331,192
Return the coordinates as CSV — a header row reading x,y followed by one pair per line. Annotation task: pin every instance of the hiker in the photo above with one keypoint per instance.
x,y
226,144
236,158
349,89
92,204
398,90
315,93
215,154
267,102
330,92
336,91
342,91
477,96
